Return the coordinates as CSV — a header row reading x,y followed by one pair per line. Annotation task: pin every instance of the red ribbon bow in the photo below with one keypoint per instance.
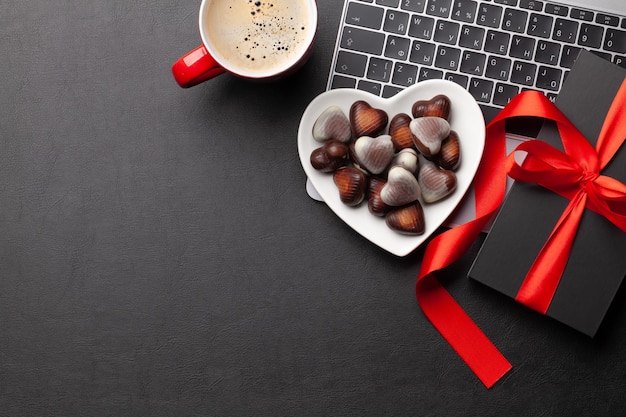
x,y
574,174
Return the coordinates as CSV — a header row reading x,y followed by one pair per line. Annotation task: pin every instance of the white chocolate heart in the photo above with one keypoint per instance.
x,y
428,133
436,183
401,187
332,123
373,154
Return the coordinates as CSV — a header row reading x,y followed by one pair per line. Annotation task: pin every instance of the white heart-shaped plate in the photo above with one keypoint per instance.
x,y
466,119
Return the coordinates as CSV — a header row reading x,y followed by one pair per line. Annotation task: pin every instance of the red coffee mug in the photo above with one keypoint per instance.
x,y
253,20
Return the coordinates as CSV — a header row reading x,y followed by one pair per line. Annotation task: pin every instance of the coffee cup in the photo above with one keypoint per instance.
x,y
253,39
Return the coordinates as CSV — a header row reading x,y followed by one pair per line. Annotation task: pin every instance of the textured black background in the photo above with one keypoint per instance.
x,y
160,256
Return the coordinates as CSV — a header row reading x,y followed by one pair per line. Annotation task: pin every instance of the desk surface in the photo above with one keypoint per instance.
x,y
161,257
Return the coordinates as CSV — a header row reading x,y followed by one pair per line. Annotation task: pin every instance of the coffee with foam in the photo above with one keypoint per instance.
x,y
257,38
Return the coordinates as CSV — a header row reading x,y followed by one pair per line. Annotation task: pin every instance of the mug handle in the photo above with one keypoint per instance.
x,y
195,67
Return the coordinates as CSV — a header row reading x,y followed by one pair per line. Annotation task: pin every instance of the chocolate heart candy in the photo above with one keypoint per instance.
x,y
408,220
438,106
329,157
400,132
449,156
332,123
407,159
351,183
375,204
436,183
428,133
366,120
402,187
373,154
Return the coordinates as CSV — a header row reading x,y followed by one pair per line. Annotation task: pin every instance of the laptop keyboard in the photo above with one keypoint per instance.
x,y
494,49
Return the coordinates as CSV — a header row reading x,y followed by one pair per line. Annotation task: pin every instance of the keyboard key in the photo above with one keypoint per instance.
x,y
397,48
447,32
464,10
364,15
608,20
569,56
448,58
615,41
416,6
473,63
363,40
523,73
557,9
482,90
461,80
581,14
379,69
342,82
489,15
390,91
422,53
404,74
548,52
549,78
515,20
522,47
624,23
370,87
390,3
506,2
534,5
504,93
472,37
439,8
430,74
421,27
620,60
590,35
565,30
540,25
497,42
498,68
396,22
351,64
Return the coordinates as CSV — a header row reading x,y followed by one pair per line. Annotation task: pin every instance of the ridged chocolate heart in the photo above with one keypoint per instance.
x,y
329,157
438,106
408,220
436,183
332,123
366,120
449,156
428,133
373,154
375,204
351,183
400,132
402,187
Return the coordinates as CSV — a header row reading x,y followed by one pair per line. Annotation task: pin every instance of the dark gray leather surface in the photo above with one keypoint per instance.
x,y
160,256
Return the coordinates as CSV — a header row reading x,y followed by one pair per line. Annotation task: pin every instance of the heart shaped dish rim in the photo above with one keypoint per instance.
x,y
466,119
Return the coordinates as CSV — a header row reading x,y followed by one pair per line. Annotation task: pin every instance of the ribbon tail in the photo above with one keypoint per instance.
x,y
542,280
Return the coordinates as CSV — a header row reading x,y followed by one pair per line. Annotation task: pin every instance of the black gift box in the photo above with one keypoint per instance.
x,y
597,263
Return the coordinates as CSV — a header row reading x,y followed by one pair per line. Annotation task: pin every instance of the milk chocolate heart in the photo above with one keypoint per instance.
x,y
352,184
438,106
366,120
375,204
373,154
332,123
428,132
402,187
329,157
408,220
400,132
436,183
449,156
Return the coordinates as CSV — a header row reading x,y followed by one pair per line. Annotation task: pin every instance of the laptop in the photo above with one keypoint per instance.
x,y
493,48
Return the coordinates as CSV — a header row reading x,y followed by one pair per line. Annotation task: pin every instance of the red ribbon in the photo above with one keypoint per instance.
x,y
574,174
